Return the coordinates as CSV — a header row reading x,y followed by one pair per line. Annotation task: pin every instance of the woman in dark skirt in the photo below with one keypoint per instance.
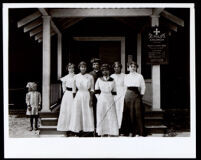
x,y
132,123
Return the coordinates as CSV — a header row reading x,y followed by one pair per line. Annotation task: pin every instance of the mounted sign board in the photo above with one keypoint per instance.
x,y
156,46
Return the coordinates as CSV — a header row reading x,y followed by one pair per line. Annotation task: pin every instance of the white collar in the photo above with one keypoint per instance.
x,y
133,73
71,73
106,78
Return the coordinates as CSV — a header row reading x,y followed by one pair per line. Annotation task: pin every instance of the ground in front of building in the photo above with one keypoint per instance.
x,y
19,128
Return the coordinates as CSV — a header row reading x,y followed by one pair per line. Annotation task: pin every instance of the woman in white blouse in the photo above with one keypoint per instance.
x,y
105,89
67,100
132,123
82,119
121,89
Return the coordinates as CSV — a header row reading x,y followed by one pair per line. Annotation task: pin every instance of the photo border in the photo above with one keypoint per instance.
x,y
121,147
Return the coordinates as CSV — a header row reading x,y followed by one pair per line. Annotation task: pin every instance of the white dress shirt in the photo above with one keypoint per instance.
x,y
135,80
67,81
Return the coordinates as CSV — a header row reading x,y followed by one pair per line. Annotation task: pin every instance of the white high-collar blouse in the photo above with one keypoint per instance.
x,y
135,80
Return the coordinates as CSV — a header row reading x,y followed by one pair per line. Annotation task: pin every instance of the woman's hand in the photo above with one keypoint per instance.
x,y
39,108
91,99
90,103
29,107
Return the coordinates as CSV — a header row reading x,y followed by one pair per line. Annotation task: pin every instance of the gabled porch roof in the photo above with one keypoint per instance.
x,y
63,18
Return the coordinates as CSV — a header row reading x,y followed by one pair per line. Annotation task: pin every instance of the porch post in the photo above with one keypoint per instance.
x,y
123,54
46,64
156,90
139,51
59,56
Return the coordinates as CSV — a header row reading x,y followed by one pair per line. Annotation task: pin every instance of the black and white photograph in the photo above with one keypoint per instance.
x,y
107,80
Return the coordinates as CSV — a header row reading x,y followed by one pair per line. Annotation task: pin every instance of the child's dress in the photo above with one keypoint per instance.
x,y
33,98
119,98
107,123
66,103
82,118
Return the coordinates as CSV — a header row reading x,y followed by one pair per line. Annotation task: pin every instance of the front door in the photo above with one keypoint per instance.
x,y
107,51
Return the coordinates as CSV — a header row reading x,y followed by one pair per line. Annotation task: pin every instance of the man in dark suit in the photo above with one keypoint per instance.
x,y
96,73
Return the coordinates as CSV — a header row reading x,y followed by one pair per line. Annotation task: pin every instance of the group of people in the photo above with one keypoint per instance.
x,y
100,104
96,103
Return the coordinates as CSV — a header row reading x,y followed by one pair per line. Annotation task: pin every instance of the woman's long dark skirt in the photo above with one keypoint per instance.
x,y
133,114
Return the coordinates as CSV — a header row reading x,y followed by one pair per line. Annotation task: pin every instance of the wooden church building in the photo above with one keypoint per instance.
x,y
43,40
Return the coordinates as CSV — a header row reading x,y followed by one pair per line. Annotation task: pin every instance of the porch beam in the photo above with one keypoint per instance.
x,y
173,18
71,23
45,13
36,30
28,19
171,26
40,39
39,35
55,28
32,25
99,12
122,20
157,11
97,38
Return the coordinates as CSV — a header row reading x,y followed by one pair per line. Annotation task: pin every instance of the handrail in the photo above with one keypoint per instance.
x,y
55,93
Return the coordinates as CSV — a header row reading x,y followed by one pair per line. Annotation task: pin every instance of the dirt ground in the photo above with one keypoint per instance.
x,y
19,127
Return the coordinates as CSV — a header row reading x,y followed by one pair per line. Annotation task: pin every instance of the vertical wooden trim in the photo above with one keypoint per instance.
x,y
139,51
156,93
59,56
46,64
156,87
123,54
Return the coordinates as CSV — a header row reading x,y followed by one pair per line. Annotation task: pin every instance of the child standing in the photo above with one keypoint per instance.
x,y
67,100
107,123
82,120
121,89
132,122
33,101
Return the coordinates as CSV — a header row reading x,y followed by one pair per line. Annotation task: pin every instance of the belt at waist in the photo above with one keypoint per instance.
x,y
135,89
83,90
99,92
69,89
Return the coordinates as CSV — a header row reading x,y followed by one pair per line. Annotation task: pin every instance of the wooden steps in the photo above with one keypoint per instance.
x,y
48,125
154,122
51,130
49,121
49,114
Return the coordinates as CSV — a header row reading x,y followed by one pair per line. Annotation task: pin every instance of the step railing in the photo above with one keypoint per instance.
x,y
147,98
55,93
